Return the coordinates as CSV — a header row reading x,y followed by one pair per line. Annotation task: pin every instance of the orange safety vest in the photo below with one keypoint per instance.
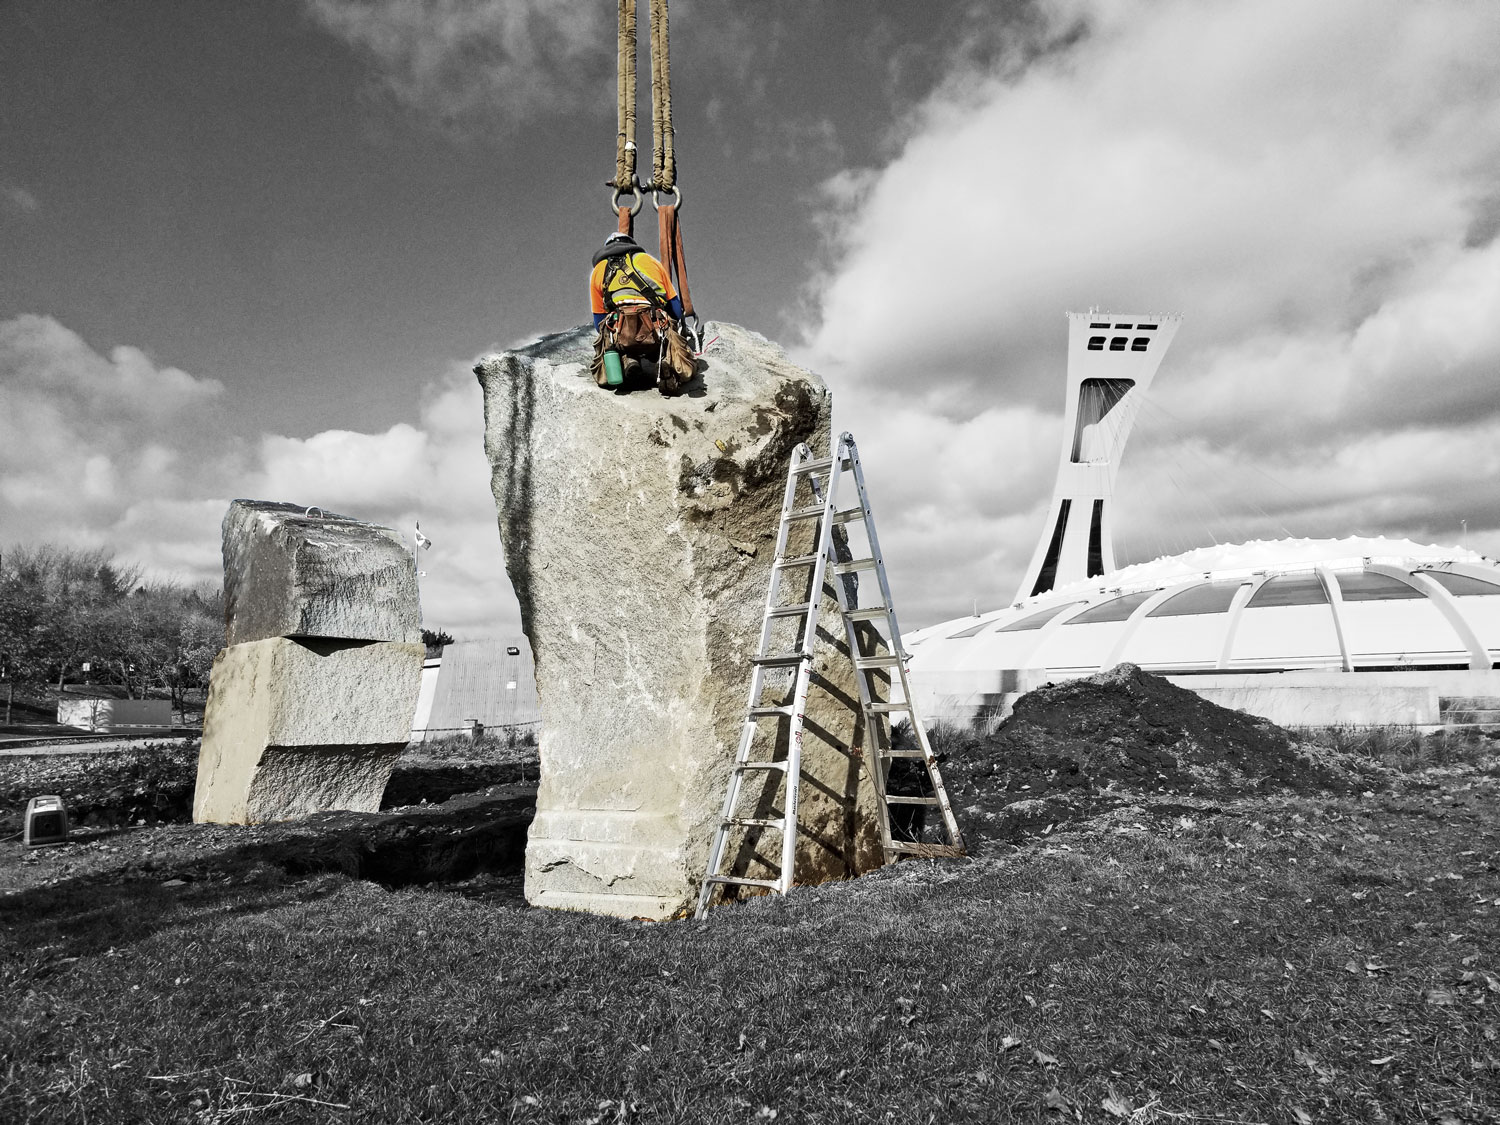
x,y
624,273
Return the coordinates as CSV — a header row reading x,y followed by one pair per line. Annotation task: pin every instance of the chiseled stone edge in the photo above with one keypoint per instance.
x,y
262,692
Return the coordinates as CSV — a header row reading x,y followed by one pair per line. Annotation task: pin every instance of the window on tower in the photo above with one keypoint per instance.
x,y
1096,343
1117,344
1139,344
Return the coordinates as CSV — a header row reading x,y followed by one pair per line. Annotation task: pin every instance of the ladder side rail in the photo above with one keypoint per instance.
x,y
748,731
804,675
885,587
793,779
773,588
731,796
929,760
789,496
872,758
919,729
821,550
800,456
783,532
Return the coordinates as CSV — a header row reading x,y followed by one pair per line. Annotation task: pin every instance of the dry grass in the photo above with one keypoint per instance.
x,y
1279,960
496,744
1407,749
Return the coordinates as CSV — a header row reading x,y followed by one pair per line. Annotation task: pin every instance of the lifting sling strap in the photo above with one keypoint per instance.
x,y
664,160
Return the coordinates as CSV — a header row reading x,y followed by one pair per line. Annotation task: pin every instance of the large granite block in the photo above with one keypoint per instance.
x,y
291,571
638,532
294,727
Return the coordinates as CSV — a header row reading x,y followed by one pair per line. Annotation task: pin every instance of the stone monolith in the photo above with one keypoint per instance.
x,y
298,726
291,571
638,532
311,700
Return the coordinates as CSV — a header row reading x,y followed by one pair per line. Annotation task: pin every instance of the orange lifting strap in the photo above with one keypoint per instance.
x,y
664,160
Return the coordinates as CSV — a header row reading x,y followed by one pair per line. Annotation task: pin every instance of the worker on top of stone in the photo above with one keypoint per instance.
x,y
637,312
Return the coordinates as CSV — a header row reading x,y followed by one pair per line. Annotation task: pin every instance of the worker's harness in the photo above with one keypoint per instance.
x,y
622,280
636,323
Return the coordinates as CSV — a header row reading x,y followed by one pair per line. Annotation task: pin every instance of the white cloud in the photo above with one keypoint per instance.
x,y
1303,182
505,59
84,437
121,452
435,472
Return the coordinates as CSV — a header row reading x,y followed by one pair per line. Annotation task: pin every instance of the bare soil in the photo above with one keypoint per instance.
x,y
1125,737
442,819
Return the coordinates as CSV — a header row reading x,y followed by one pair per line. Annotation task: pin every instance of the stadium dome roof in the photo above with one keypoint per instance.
x,y
1320,604
1424,620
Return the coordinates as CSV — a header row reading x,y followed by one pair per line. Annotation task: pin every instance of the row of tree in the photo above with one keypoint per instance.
x,y
63,609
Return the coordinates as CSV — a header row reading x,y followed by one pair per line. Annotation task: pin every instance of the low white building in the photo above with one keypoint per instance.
x,y
1303,632
103,714
490,682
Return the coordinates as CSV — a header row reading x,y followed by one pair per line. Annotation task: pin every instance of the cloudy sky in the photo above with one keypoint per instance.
x,y
253,250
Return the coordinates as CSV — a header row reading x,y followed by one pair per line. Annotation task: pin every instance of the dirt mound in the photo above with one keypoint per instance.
x,y
1073,749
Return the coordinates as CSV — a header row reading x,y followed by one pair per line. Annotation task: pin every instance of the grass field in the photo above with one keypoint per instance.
x,y
1266,959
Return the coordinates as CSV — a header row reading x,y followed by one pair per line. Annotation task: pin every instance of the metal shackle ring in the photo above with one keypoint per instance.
x,y
676,197
635,194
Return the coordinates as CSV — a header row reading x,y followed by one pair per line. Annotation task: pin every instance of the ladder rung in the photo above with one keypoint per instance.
x,y
825,561
786,661
740,881
821,465
934,850
789,610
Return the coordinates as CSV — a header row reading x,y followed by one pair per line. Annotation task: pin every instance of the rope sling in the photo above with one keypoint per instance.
x,y
664,161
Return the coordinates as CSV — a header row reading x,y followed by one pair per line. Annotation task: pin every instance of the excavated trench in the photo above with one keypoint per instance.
x,y
468,835
441,823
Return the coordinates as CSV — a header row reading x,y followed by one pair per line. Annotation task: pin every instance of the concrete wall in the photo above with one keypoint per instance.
x,y
430,669
1324,699
108,716
1419,697
477,680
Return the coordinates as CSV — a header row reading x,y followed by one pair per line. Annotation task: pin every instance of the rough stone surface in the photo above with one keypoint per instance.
x,y
294,727
638,532
288,573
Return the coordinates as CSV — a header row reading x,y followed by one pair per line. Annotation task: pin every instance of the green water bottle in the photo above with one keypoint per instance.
x,y
614,372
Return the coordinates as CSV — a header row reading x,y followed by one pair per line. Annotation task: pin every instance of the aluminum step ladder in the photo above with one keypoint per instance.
x,y
861,624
